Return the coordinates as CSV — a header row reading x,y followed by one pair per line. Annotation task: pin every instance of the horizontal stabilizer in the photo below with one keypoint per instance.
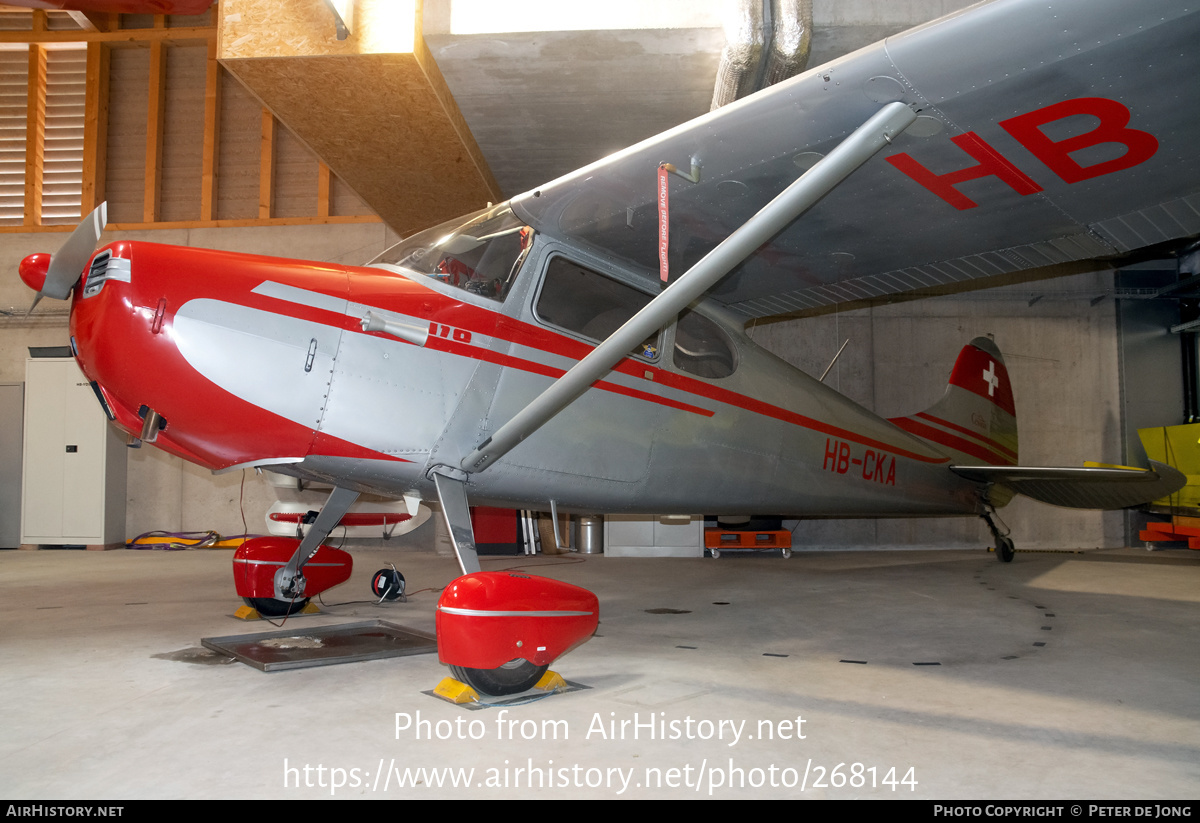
x,y
1082,488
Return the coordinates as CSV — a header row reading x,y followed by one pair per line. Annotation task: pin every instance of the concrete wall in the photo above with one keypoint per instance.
x,y
1061,354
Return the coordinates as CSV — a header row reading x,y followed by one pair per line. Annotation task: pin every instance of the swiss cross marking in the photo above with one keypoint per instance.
x,y
990,377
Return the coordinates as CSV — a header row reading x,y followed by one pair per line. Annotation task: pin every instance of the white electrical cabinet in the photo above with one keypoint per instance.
x,y
73,490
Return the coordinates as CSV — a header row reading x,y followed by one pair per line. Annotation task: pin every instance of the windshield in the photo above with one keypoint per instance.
x,y
480,253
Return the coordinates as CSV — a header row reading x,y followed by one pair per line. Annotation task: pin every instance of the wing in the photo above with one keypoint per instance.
x,y
1050,132
1081,488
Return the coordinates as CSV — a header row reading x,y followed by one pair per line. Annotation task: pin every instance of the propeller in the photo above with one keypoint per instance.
x,y
55,275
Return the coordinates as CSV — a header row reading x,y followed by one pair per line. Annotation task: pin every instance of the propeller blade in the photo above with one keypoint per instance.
x,y
67,264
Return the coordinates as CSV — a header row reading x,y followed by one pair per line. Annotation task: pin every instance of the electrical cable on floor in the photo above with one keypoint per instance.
x,y
566,561
374,602
283,622
242,501
183,540
198,540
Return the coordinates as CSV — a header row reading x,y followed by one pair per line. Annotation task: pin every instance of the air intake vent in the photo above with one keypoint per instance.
x,y
97,274
105,267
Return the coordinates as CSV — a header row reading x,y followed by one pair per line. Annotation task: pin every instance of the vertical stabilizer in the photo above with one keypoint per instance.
x,y
975,420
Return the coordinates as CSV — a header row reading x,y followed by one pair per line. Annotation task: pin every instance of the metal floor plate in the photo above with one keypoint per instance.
x,y
325,646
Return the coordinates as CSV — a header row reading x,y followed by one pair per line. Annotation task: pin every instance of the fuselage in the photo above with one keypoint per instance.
x,y
257,361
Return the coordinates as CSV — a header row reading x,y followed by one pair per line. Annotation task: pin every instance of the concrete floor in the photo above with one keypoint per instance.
x,y
1058,676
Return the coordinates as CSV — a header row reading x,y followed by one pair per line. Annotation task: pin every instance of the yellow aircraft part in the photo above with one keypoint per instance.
x,y
1177,446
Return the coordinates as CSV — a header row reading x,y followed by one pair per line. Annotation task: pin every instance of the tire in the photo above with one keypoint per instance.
x,y
513,677
1005,551
271,607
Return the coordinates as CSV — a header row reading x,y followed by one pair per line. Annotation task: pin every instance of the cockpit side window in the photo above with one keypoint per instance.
x,y
702,348
480,254
591,305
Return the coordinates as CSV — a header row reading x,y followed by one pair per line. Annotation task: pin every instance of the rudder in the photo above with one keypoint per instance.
x,y
976,419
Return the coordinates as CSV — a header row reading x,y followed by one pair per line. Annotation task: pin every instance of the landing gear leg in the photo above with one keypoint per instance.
x,y
289,580
517,675
452,492
1005,551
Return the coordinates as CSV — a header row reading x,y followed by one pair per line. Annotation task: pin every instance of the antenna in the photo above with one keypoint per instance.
x,y
825,373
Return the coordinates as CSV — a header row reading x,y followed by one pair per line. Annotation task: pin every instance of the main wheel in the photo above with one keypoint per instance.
x,y
1005,551
513,677
272,607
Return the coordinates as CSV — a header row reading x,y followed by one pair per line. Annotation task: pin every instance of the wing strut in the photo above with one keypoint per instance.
x,y
856,149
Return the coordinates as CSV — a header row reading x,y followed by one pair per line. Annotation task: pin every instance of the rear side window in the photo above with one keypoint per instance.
x,y
702,347
589,304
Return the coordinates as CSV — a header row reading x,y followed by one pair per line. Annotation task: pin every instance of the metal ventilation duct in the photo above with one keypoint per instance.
x,y
747,64
737,73
791,38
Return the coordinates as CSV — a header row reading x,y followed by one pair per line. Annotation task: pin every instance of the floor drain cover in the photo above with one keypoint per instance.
x,y
348,643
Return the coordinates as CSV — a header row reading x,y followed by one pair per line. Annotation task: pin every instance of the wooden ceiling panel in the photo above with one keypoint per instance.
x,y
384,121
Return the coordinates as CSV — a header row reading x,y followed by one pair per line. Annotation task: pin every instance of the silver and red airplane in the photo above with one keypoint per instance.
x,y
542,354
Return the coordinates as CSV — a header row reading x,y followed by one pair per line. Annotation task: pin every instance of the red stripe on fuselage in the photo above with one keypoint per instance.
x,y
476,320
347,322
951,441
532,366
985,441
768,410
534,337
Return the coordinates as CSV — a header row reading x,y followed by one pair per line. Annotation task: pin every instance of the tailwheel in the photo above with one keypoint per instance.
x,y
273,607
513,677
1005,551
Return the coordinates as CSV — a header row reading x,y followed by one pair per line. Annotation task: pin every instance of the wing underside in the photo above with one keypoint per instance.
x,y
1035,147
1081,488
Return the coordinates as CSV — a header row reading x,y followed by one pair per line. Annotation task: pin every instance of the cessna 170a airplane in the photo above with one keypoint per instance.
x,y
542,354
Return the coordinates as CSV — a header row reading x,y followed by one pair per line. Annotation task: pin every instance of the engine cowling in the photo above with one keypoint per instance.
x,y
487,619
